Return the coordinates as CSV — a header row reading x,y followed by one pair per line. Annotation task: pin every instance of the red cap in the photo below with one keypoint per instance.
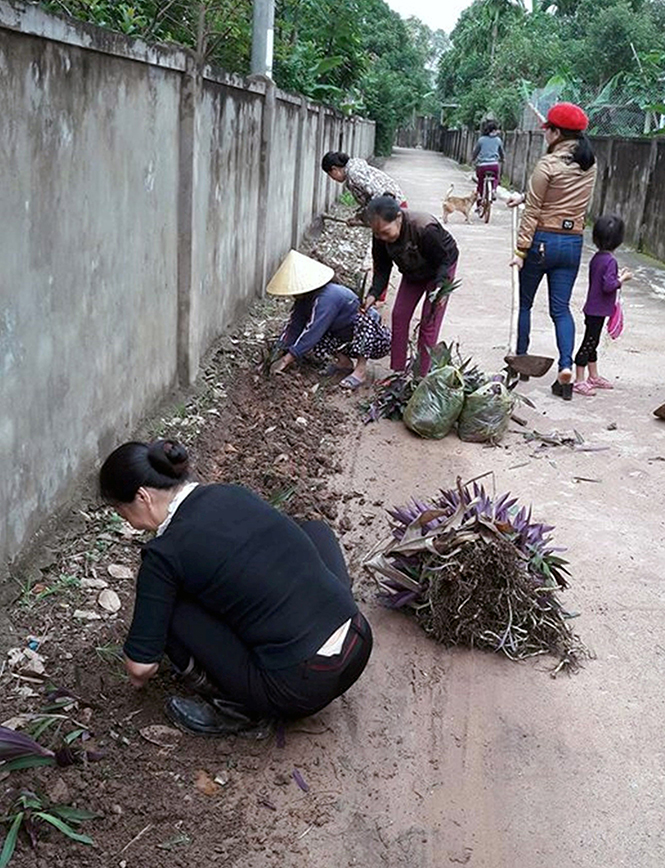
x,y
567,116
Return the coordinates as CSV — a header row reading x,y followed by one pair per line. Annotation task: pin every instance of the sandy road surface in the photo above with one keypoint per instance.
x,y
462,758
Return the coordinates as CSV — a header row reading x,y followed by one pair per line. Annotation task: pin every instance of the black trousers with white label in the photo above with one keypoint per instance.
x,y
295,691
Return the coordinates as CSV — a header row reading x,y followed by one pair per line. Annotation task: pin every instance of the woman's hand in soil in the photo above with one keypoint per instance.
x,y
282,364
369,303
140,673
625,275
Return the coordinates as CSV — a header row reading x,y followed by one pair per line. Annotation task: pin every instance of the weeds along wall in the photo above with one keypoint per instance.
x,y
630,179
143,203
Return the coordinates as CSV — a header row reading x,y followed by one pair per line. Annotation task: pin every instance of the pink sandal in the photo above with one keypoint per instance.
x,y
584,387
600,383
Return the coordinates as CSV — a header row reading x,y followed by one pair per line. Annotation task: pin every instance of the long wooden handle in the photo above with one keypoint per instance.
x,y
515,283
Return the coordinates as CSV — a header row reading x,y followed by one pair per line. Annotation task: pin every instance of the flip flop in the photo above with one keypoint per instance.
x,y
351,382
333,370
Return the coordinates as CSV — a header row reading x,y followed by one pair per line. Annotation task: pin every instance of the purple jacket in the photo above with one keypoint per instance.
x,y
603,285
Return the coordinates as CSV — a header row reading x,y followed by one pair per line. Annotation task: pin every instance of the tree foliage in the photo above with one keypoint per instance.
x,y
593,52
357,55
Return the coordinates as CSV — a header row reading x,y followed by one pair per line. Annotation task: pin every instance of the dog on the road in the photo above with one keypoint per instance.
x,y
463,204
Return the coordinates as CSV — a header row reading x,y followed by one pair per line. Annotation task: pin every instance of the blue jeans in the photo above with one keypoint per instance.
x,y
558,256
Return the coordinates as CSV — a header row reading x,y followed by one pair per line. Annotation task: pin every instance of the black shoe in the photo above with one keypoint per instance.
x,y
215,717
563,390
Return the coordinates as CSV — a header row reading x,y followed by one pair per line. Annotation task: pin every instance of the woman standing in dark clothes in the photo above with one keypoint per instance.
x,y
254,611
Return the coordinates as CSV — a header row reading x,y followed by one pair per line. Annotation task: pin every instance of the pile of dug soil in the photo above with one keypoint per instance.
x,y
346,249
278,436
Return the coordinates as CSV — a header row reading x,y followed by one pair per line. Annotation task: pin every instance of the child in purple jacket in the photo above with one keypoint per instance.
x,y
605,280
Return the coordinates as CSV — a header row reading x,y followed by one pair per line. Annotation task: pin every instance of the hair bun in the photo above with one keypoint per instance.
x,y
168,457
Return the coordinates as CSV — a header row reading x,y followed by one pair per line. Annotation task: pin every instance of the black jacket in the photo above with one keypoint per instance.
x,y
245,563
423,252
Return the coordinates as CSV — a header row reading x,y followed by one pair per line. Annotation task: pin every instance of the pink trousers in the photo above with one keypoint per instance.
x,y
481,171
408,296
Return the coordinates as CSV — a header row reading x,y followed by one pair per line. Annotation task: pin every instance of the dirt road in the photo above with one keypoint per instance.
x,y
434,758
463,758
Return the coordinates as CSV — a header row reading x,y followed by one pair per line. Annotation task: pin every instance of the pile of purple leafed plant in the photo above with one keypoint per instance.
x,y
478,571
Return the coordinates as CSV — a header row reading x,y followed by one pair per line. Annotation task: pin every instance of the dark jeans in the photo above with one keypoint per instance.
x,y
295,691
589,346
557,256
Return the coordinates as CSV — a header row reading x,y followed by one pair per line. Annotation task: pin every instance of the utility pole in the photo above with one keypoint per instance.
x,y
263,22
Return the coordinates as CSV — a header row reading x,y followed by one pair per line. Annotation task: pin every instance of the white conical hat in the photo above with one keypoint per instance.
x,y
299,274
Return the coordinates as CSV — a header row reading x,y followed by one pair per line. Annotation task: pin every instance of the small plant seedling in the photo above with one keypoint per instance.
x,y
34,591
175,842
62,585
114,523
109,653
30,812
25,586
282,497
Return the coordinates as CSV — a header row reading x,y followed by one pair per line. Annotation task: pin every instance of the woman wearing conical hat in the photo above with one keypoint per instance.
x,y
326,321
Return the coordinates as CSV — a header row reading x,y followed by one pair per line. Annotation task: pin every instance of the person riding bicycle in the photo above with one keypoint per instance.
x,y
488,155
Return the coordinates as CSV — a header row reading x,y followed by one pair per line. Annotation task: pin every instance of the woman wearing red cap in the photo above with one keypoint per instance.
x,y
550,236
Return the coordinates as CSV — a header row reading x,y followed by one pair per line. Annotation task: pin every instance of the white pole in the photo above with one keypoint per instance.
x,y
515,285
263,23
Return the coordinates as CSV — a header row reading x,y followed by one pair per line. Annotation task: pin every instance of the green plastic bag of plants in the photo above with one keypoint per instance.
x,y
486,414
437,402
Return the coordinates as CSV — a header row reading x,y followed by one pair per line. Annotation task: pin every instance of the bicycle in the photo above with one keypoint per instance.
x,y
487,197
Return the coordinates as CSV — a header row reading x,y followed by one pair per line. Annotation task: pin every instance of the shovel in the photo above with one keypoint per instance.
x,y
524,365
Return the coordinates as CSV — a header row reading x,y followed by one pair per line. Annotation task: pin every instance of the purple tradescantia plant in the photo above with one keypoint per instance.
x,y
15,744
477,570
531,538
399,598
19,751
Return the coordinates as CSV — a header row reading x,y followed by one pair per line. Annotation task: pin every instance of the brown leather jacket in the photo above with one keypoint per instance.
x,y
557,196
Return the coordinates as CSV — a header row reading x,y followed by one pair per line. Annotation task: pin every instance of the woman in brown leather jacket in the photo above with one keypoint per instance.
x,y
550,237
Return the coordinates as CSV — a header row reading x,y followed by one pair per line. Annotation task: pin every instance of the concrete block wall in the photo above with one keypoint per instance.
x,y
225,209
653,219
143,203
